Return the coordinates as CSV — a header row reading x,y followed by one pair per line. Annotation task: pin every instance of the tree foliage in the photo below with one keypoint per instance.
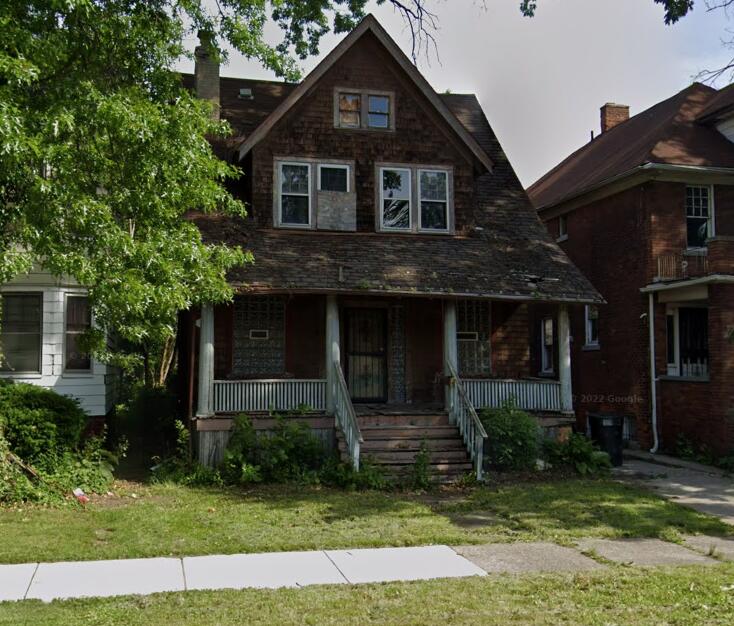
x,y
674,9
103,153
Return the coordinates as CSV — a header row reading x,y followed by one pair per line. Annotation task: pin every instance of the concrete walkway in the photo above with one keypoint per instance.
x,y
52,581
706,489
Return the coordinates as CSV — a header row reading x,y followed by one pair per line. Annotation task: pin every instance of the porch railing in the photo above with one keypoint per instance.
x,y
462,413
680,266
234,396
529,395
345,416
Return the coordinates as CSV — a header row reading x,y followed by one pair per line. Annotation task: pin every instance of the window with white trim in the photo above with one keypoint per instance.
x,y
395,195
294,207
591,318
21,322
78,322
334,177
687,344
364,109
699,215
433,194
562,227
546,346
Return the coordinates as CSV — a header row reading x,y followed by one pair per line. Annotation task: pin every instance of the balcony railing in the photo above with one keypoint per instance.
x,y
241,396
529,395
681,266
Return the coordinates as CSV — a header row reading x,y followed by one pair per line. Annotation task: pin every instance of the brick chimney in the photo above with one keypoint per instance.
x,y
613,114
206,71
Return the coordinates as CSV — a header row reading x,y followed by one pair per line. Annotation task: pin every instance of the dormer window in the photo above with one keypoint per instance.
x,y
364,109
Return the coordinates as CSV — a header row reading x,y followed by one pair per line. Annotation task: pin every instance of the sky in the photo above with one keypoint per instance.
x,y
542,80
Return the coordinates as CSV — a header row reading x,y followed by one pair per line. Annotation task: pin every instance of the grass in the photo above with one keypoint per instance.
x,y
685,596
174,520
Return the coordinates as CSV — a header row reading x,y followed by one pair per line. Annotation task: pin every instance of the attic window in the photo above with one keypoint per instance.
x,y
364,109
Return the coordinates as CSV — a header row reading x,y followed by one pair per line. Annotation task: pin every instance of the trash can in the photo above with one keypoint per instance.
x,y
606,432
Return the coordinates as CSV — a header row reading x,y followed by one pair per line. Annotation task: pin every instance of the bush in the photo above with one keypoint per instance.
x,y
38,421
579,453
150,418
181,468
512,437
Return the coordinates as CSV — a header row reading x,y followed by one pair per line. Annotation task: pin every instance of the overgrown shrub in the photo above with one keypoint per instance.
x,y
149,417
38,421
419,477
512,437
579,453
690,450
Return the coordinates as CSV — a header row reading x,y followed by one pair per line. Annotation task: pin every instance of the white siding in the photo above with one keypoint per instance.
x,y
89,388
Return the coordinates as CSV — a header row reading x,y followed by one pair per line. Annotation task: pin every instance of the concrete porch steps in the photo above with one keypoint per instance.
x,y
393,440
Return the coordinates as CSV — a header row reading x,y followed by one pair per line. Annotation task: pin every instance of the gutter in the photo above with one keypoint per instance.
x,y
711,279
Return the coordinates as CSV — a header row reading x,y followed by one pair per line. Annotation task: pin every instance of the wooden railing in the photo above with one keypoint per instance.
x,y
680,266
345,416
462,413
235,396
529,395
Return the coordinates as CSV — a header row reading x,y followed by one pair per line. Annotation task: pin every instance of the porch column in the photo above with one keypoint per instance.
x,y
564,359
450,347
205,406
332,349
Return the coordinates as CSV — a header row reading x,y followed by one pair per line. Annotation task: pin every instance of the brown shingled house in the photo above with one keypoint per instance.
x,y
646,211
396,257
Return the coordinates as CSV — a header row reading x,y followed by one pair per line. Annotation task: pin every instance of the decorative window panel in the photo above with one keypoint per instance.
x,y
472,333
20,332
259,336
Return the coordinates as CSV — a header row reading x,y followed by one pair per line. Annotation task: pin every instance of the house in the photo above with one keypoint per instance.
x,y
41,320
646,211
397,258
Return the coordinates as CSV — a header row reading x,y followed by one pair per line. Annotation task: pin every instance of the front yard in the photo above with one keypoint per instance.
x,y
624,596
156,520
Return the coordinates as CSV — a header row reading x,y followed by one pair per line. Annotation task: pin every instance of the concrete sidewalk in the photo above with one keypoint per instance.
x,y
80,579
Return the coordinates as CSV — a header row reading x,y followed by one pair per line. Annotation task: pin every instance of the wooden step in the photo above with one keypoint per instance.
x,y
365,421
392,457
452,443
409,432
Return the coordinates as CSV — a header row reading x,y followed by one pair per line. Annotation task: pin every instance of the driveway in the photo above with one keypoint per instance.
x,y
700,487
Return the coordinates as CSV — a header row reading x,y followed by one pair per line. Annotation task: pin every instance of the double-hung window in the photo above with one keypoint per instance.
x,y
378,111
395,193
295,194
546,346
364,109
433,193
350,110
21,332
591,316
78,322
699,215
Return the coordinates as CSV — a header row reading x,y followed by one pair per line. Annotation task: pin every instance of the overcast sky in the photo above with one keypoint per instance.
x,y
541,81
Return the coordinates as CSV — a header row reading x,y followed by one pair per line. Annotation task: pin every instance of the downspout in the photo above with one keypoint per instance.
x,y
653,376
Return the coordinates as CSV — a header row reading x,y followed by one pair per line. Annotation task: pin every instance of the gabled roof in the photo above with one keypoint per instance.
x,y
368,24
510,256
668,133
720,106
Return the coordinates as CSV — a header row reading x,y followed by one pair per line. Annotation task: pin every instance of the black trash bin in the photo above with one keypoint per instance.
x,y
606,432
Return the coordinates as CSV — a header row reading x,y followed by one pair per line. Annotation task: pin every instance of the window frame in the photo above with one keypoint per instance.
x,y
359,112
674,368
590,342
387,114
381,191
340,166
364,107
562,228
39,371
446,173
65,370
279,163
710,219
547,360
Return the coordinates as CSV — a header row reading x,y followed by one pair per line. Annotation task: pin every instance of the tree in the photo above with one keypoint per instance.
x,y
103,153
674,9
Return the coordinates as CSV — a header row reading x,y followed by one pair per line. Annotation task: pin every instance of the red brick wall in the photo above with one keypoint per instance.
x,y
421,137
607,241
721,356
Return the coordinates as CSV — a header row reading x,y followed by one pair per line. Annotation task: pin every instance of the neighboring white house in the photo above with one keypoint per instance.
x,y
42,318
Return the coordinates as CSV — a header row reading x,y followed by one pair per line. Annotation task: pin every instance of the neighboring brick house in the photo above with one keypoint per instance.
x,y
395,250
646,211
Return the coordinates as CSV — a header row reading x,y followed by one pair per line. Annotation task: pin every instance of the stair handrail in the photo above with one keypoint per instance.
x,y
464,415
345,416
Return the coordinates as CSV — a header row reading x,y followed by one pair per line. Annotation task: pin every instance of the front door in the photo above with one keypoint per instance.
x,y
366,362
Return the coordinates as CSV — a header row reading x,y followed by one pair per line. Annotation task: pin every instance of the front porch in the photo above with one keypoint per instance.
x,y
347,357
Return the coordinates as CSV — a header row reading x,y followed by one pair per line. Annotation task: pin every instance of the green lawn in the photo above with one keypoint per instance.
x,y
624,596
175,520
